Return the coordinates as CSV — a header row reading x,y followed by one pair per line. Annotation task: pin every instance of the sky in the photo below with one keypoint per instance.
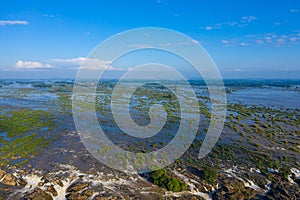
x,y
246,39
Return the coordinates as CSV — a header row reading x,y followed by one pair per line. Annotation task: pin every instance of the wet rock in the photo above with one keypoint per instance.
x,y
233,189
2,174
76,196
52,190
10,180
201,187
21,182
75,187
41,184
283,190
47,178
246,193
186,196
258,179
88,192
108,196
100,198
58,182
38,194
232,185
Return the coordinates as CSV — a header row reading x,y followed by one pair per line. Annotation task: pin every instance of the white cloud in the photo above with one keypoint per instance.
x,y
294,10
244,44
259,41
31,65
208,28
216,26
87,63
232,23
69,62
230,42
248,19
243,22
267,39
277,23
13,22
294,39
225,41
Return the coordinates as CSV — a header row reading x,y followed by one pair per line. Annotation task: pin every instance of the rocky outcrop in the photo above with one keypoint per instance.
x,y
233,189
2,174
76,187
283,190
52,190
9,180
58,182
38,194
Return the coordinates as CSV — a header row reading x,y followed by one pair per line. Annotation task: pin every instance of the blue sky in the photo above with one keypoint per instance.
x,y
246,39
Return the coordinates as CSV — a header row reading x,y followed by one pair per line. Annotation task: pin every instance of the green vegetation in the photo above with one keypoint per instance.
x,y
284,171
19,122
161,179
20,140
210,174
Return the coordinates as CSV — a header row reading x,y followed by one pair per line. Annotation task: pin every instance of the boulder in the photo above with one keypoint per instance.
x,y
88,192
52,190
233,189
58,182
2,174
21,182
76,187
232,185
38,194
283,190
76,196
10,180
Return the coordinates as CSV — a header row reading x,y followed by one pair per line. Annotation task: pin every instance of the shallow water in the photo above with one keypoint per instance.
x,y
269,97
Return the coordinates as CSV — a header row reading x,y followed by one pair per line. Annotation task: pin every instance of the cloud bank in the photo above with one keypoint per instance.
x,y
31,65
13,22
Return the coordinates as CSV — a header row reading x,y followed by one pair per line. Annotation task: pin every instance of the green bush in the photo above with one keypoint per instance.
x,y
210,174
284,171
161,179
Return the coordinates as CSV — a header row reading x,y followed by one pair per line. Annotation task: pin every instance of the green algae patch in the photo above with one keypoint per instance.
x,y
19,122
23,135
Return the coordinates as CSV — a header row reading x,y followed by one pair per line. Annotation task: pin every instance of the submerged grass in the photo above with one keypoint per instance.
x,y
23,135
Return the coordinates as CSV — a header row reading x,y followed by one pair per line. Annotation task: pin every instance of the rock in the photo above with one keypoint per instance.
x,y
88,192
233,189
38,194
75,187
10,180
76,196
100,198
201,187
58,182
40,184
21,182
186,196
232,185
258,179
283,190
52,190
108,196
246,193
2,174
